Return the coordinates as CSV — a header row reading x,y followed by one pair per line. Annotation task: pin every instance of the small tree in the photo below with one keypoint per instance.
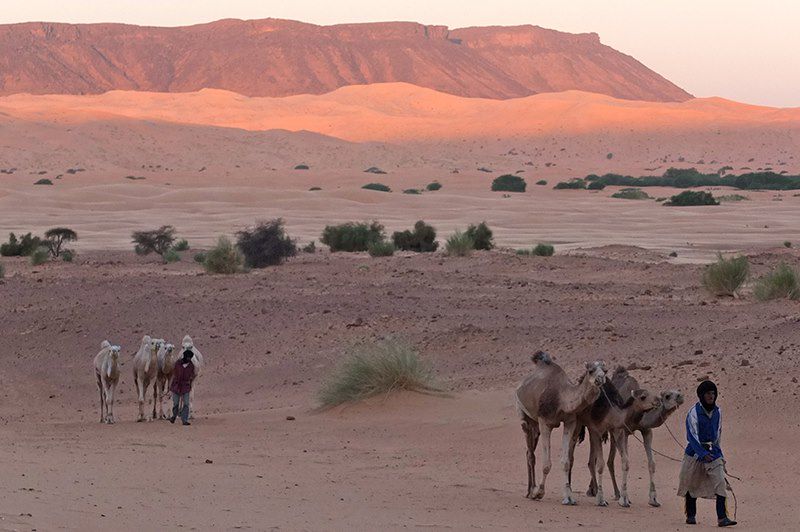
x,y
157,241
509,183
691,198
422,239
481,236
266,244
56,237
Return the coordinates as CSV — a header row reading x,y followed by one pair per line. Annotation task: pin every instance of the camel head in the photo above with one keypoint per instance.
x,y
187,342
644,400
167,349
596,372
671,400
113,350
156,344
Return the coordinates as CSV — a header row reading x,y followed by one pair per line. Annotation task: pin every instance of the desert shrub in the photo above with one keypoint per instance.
x,y
223,258
2,271
380,187
631,194
596,185
157,241
692,198
787,244
21,247
265,244
311,247
726,276
542,182
352,236
573,184
182,245
374,170
374,369
314,189
540,250
381,249
171,256
509,183
422,239
301,167
67,255
40,256
459,244
43,181
412,191
200,257
732,197
432,187
481,236
56,237
780,283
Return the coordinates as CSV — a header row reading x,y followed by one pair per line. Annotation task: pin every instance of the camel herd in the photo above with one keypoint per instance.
x,y
607,407
152,366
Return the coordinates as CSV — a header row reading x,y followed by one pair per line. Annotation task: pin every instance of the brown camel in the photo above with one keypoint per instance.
x,y
670,401
547,398
610,413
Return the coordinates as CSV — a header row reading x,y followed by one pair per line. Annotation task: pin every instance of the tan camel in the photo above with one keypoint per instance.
x,y
166,363
199,364
545,400
145,369
609,414
106,369
670,401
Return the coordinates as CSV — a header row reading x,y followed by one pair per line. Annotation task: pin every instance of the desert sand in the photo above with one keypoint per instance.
x,y
408,461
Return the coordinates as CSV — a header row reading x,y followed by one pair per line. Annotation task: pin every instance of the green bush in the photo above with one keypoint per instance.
x,y
2,271
20,247
155,241
265,244
40,256
182,245
509,183
412,191
380,187
43,181
374,170
540,250
732,198
631,194
691,198
171,256
381,249
301,167
311,247
481,236
542,182
596,185
787,244
200,257
352,236
422,239
781,283
574,184
379,368
726,276
314,189
690,177
459,244
67,255
433,187
223,258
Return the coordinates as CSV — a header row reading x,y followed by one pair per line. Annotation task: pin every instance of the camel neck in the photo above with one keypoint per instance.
x,y
581,396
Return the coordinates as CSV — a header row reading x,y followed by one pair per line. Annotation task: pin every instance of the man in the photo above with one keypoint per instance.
x,y
703,468
182,376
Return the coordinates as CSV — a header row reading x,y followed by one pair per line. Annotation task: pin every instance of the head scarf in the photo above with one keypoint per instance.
x,y
187,355
706,386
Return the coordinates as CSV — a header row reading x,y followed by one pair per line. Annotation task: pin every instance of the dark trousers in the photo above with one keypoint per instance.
x,y
177,398
691,507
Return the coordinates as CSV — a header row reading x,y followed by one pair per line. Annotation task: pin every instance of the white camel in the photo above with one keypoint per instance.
x,y
197,360
166,363
145,370
106,369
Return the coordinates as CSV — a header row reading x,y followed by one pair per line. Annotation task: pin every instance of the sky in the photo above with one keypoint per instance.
x,y
744,50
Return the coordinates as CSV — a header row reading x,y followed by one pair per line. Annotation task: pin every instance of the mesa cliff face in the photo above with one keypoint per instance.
x,y
280,58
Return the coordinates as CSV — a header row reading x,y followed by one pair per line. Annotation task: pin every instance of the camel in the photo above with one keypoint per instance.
x,y
166,362
670,401
106,369
547,398
610,413
197,360
145,369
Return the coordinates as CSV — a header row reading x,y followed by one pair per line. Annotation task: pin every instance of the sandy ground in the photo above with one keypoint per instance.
x,y
400,462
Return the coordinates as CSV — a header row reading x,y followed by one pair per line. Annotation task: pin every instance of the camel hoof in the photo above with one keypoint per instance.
x,y
625,503
538,494
655,504
569,501
602,503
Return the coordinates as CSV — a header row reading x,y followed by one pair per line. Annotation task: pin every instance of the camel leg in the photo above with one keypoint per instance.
x,y
596,452
566,462
191,400
544,431
592,490
612,455
155,398
102,400
110,402
624,501
531,459
647,438
140,397
572,445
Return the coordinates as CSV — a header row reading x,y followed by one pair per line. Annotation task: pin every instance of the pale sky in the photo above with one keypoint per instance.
x,y
745,50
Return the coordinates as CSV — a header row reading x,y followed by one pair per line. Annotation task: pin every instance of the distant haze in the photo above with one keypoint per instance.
x,y
738,49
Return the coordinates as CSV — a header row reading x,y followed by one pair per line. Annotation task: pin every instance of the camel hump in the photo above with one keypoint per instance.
x,y
619,371
105,344
541,357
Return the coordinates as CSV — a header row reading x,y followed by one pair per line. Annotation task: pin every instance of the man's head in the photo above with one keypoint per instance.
x,y
187,355
707,393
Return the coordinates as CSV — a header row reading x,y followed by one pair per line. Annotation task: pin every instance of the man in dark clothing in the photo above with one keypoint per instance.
x,y
703,469
182,376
